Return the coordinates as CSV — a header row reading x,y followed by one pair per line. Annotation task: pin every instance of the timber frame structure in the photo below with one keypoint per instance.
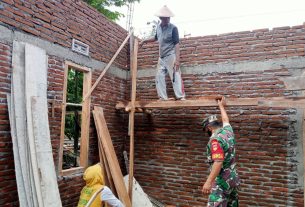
x,y
208,101
261,73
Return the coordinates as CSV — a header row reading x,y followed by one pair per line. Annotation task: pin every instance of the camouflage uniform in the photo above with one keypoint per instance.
x,y
221,147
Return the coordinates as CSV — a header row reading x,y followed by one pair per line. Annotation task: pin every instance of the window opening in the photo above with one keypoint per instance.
x,y
75,119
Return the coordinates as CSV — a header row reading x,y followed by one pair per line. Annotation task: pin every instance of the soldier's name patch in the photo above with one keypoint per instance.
x,y
217,156
217,151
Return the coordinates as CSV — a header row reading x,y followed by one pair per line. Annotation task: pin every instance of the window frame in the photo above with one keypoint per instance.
x,y
85,124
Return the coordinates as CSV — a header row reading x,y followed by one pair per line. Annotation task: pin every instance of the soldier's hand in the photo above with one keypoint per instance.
x,y
207,188
221,101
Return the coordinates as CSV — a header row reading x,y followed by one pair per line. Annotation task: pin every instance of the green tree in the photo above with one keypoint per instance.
x,y
73,116
103,5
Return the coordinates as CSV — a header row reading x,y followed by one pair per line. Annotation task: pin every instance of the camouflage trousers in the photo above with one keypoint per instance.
x,y
223,198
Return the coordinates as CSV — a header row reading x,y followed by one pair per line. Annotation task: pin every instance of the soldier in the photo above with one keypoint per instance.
x,y
223,180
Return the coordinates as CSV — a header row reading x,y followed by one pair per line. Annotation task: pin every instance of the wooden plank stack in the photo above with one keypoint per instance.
x,y
28,113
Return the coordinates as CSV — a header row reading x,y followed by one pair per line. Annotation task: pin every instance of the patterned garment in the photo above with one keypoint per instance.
x,y
223,198
221,147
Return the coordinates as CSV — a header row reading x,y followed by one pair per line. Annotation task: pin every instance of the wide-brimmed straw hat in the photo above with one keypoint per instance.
x,y
164,12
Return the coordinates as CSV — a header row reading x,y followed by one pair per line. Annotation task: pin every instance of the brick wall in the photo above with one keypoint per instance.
x,y
170,145
61,21
261,44
8,192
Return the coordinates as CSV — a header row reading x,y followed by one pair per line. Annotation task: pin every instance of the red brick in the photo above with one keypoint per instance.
x,y
11,2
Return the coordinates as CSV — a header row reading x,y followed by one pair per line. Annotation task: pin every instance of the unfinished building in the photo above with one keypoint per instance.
x,y
264,66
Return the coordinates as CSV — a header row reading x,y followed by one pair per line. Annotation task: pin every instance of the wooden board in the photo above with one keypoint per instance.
x,y
20,184
105,165
85,123
62,123
41,132
35,66
18,101
289,102
187,103
38,127
103,133
107,169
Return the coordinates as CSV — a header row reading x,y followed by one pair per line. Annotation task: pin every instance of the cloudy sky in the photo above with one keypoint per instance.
x,y
202,17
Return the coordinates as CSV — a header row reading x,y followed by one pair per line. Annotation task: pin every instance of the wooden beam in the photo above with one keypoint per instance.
x,y
41,134
63,117
187,103
105,165
294,102
77,67
289,102
107,67
85,121
75,170
131,116
107,169
104,135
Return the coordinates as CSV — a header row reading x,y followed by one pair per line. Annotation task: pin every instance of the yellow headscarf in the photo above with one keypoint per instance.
x,y
94,181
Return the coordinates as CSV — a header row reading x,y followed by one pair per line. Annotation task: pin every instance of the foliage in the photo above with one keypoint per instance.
x,y
73,117
75,86
103,5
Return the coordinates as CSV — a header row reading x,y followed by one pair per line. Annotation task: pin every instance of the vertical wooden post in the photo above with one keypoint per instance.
x,y
131,49
85,123
131,116
63,117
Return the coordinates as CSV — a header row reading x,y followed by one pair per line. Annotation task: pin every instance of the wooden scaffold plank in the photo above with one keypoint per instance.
x,y
289,102
283,102
209,101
